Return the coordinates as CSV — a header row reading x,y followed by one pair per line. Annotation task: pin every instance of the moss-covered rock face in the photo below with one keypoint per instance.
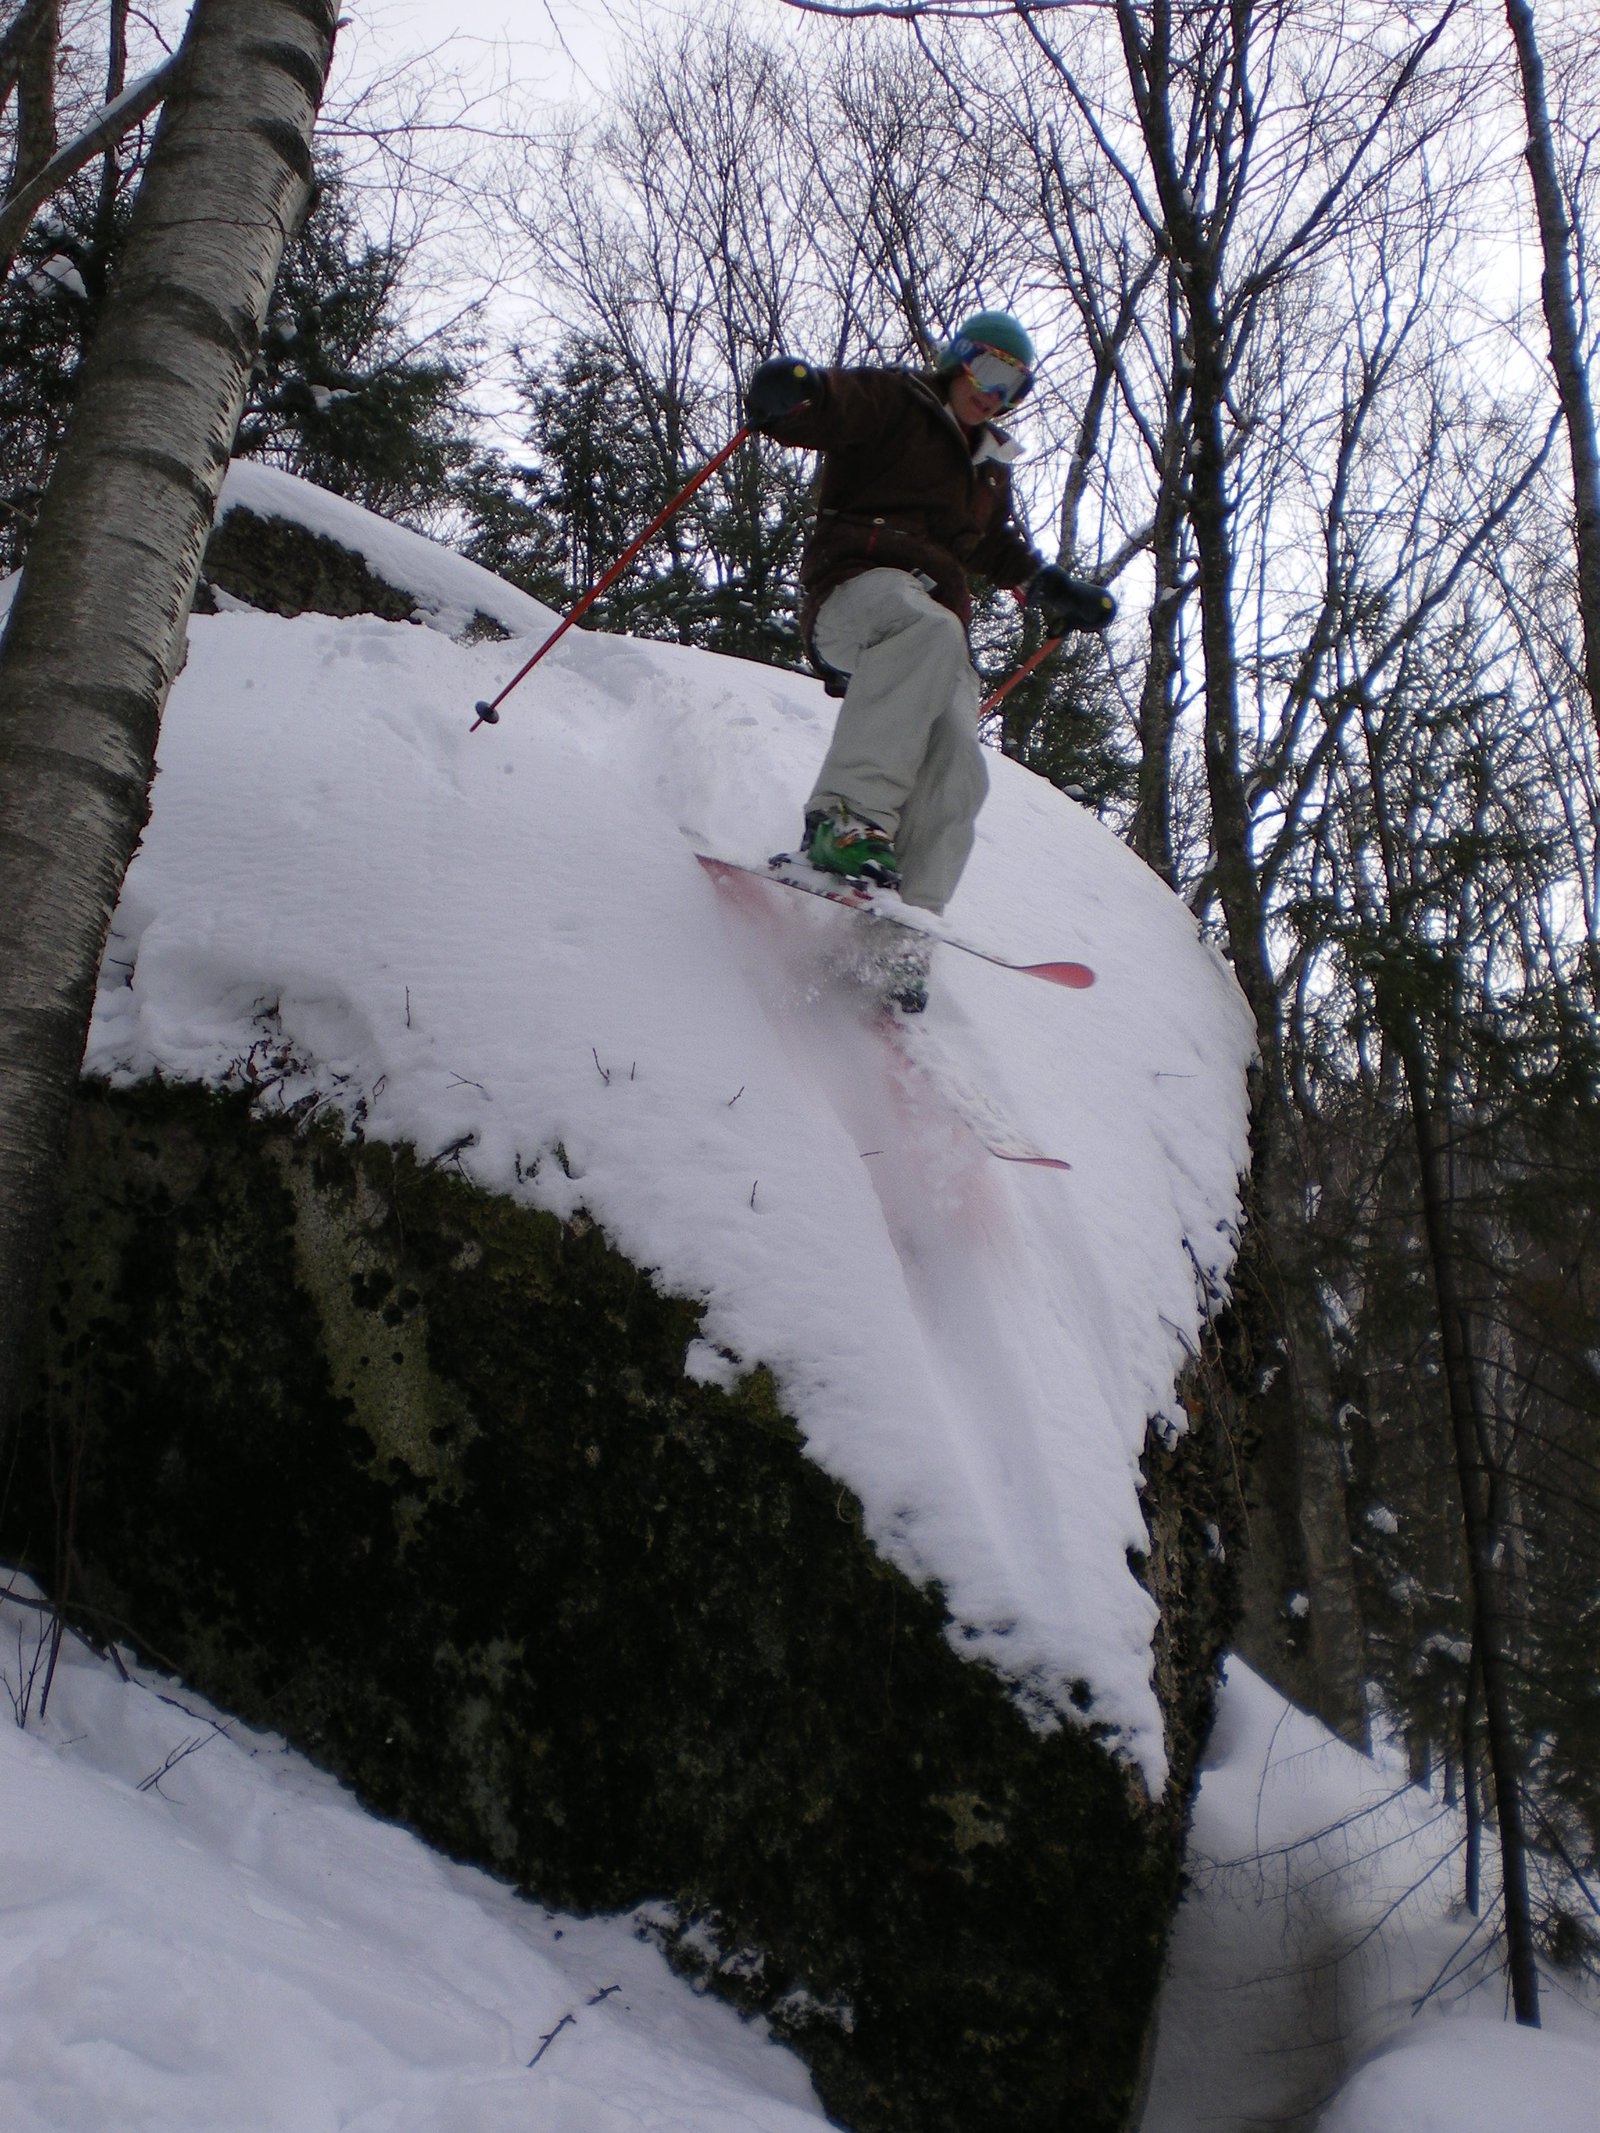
x,y
414,1474
286,569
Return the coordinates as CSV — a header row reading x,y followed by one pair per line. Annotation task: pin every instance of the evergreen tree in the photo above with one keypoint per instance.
x,y
607,452
335,393
1063,721
555,523
506,530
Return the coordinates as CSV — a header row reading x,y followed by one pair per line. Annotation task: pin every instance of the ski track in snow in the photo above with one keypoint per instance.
x,y
947,1212
499,943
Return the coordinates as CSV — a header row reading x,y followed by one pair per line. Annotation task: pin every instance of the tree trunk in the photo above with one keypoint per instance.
x,y
28,68
1151,831
1471,1798
96,632
1556,238
1197,267
1485,1546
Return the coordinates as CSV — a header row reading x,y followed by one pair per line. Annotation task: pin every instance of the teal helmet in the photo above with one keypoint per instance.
x,y
992,335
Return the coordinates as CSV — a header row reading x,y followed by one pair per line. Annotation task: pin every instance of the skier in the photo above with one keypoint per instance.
x,y
913,499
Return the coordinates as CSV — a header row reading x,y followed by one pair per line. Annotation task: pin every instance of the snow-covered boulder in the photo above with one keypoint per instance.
x,y
536,1339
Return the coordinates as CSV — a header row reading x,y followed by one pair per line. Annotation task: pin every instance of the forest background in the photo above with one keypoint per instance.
x,y
1313,287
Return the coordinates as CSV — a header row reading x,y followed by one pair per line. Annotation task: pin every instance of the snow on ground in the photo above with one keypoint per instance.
x,y
499,942
1322,1942
204,1933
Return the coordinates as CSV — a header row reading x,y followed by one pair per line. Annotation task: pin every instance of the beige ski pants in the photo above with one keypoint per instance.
x,y
905,751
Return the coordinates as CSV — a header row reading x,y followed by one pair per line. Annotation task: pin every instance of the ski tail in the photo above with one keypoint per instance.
x,y
1027,1155
1076,975
913,1057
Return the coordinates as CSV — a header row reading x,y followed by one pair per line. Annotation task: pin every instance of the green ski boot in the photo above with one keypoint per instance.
x,y
841,843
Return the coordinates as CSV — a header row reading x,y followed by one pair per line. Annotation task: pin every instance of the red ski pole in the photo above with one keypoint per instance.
x,y
489,711
1011,681
1080,605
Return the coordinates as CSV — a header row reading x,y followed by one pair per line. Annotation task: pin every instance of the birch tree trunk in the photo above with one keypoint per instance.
x,y
96,633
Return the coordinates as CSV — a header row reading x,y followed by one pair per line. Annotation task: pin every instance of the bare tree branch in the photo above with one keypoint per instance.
x,y
118,119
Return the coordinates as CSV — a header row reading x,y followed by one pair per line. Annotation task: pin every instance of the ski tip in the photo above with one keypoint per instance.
x,y
1077,975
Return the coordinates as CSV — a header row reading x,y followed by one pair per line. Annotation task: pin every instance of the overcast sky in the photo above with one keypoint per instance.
x,y
558,47
545,51
540,51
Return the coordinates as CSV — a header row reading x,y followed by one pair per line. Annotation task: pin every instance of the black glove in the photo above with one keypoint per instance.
x,y
1067,603
777,389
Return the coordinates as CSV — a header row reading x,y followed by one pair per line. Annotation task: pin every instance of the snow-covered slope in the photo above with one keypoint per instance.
x,y
1322,1952
203,1932
205,1935
499,942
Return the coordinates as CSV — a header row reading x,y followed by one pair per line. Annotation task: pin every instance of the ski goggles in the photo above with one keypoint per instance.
x,y
992,370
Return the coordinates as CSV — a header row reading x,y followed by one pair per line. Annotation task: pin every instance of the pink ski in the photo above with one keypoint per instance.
x,y
883,906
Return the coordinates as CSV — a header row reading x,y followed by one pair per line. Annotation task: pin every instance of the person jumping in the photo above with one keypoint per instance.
x,y
913,501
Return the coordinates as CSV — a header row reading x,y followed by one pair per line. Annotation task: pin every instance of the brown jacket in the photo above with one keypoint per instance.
x,y
902,486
